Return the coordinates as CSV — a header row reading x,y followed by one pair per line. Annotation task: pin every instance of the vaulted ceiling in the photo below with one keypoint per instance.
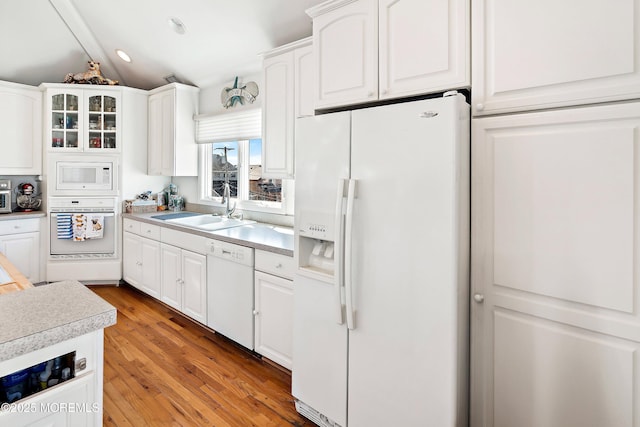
x,y
43,40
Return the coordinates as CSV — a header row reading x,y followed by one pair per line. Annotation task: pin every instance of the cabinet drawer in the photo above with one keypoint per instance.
x,y
150,231
188,241
276,264
131,226
19,226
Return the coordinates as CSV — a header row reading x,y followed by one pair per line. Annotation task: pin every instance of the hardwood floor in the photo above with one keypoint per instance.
x,y
162,369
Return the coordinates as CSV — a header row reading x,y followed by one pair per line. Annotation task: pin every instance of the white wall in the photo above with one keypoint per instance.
x,y
210,103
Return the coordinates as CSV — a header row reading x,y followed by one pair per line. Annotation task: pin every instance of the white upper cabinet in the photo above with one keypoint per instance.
x,y
21,129
369,50
82,119
287,94
172,150
345,40
532,55
423,46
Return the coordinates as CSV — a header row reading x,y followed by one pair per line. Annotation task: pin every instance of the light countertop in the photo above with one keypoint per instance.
x,y
22,215
268,237
39,317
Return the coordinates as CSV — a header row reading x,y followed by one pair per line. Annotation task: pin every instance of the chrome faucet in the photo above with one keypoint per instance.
x,y
226,195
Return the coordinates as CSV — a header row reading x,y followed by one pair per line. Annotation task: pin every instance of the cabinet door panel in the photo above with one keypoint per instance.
x,y
21,124
150,271
576,378
555,237
423,46
171,290
167,163
23,250
194,274
539,55
278,116
274,318
131,267
154,152
346,52
304,81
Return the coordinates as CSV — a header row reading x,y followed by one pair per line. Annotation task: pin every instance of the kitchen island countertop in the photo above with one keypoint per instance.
x,y
45,315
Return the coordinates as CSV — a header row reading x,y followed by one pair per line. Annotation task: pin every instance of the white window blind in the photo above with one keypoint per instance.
x,y
237,126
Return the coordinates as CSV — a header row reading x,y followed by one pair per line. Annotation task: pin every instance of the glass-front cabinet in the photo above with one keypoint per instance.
x,y
102,121
65,120
83,120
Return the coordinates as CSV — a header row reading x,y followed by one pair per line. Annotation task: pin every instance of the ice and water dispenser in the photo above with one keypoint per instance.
x,y
316,244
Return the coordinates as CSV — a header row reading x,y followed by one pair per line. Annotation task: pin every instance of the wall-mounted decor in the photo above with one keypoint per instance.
x,y
91,77
231,95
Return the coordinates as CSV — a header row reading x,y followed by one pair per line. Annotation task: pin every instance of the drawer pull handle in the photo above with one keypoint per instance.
x,y
279,265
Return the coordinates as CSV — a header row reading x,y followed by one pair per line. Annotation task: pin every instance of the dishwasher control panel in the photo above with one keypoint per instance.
x,y
231,252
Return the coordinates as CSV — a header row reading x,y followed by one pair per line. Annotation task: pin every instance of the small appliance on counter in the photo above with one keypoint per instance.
x,y
25,198
5,196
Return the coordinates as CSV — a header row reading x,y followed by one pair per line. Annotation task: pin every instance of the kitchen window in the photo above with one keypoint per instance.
x,y
231,151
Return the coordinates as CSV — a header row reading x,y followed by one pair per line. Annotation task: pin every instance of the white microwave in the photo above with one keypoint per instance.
x,y
97,176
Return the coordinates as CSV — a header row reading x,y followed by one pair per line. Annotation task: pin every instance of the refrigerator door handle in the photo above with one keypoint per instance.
x,y
348,258
337,252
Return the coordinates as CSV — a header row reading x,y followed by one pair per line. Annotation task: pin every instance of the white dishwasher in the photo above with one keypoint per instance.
x,y
230,291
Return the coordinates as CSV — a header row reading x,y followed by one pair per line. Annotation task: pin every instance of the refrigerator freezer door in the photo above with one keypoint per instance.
x,y
322,151
319,377
406,353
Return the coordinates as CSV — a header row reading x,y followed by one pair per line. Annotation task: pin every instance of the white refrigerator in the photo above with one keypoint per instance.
x,y
382,256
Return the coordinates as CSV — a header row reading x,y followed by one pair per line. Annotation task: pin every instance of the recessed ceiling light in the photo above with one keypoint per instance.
x,y
177,25
123,55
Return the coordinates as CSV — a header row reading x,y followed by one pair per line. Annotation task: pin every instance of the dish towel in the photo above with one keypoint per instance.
x,y
79,227
94,227
64,226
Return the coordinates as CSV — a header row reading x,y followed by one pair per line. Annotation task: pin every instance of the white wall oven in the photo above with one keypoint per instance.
x,y
83,239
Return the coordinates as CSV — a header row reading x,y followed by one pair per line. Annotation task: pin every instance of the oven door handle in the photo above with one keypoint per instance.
x,y
53,214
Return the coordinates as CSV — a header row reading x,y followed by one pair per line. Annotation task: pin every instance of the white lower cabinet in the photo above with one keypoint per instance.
x,y
273,304
184,281
77,402
141,265
141,256
20,243
67,405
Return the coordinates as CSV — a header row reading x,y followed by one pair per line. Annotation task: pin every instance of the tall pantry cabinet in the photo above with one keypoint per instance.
x,y
555,329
